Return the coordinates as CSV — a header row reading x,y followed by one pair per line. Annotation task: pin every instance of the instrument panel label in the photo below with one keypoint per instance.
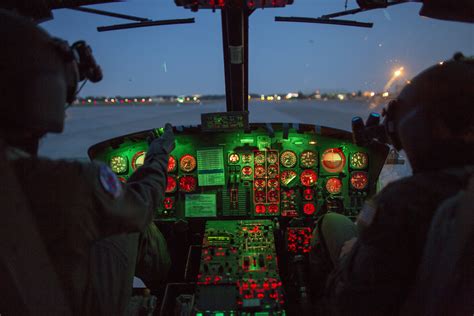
x,y
211,167
200,205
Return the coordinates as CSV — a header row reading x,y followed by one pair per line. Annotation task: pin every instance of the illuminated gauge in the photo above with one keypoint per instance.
x,y
247,171
260,158
272,157
309,209
119,164
272,171
122,179
171,184
287,177
272,183
273,195
309,159
334,185
359,180
138,159
308,194
308,178
187,183
260,183
246,158
273,209
234,158
168,203
187,163
260,209
171,164
359,160
333,160
259,171
260,196
288,159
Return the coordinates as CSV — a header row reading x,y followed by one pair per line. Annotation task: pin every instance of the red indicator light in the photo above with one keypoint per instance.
x,y
260,209
260,295
273,209
247,171
334,185
171,164
122,179
187,183
308,194
359,180
308,178
168,203
171,184
309,209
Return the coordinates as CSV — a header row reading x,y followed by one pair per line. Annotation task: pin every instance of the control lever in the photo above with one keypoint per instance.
x,y
299,264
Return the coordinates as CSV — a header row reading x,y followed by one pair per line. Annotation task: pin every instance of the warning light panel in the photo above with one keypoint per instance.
x,y
299,240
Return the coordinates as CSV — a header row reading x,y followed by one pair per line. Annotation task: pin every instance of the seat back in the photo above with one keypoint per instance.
x,y
28,283
445,279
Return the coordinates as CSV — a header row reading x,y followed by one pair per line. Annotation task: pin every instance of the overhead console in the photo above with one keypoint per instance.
x,y
232,171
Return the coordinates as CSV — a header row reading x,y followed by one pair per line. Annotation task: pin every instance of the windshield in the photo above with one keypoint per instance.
x,y
298,72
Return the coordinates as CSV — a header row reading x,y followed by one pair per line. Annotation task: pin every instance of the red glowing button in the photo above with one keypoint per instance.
x,y
359,180
273,195
171,164
308,194
171,184
308,178
333,160
260,209
334,185
273,209
309,208
259,196
187,183
168,203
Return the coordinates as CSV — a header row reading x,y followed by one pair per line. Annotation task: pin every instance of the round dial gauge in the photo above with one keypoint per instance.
x,y
246,158
308,178
272,157
309,209
187,183
359,180
260,209
187,163
333,160
359,160
273,209
119,164
260,183
287,177
259,171
138,159
288,159
260,158
272,171
273,195
171,164
260,196
309,159
334,185
272,183
234,158
171,184
247,171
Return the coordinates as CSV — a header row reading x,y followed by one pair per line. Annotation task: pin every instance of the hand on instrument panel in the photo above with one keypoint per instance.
x,y
164,144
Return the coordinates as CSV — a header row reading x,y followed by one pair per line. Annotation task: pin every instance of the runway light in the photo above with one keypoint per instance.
x,y
372,94
398,72
262,97
385,94
441,63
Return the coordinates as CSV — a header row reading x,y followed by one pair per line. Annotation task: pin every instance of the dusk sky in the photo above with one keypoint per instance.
x,y
284,57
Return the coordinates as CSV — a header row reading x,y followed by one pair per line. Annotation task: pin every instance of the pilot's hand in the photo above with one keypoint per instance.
x,y
347,247
164,144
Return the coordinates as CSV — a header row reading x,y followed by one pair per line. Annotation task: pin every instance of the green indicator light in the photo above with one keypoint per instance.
x,y
219,314
246,140
198,314
298,143
261,314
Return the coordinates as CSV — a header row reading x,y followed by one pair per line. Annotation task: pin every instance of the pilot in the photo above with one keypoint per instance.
x,y
373,263
89,221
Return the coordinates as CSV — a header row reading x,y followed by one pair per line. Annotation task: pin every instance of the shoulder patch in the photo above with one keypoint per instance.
x,y
109,181
367,214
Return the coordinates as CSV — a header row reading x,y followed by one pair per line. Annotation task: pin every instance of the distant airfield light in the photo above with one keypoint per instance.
x,y
89,101
106,100
341,97
195,98
385,94
150,100
126,100
262,97
441,63
135,100
279,98
112,100
372,94
143,100
398,72
408,81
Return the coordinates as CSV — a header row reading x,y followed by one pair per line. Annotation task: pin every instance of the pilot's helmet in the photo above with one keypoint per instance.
x,y
436,109
37,77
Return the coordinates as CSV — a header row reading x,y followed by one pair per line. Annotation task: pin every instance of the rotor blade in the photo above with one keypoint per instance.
x,y
111,14
143,24
323,21
59,4
354,11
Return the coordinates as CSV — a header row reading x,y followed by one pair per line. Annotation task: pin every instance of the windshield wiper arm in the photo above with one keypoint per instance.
x,y
323,21
143,24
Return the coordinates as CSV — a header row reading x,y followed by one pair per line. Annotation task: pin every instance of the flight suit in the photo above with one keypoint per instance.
x,y
375,277
77,206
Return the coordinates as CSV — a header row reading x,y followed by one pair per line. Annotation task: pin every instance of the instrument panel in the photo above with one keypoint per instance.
x,y
264,171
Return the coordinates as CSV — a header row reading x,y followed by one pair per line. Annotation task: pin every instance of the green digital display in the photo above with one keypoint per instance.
x,y
225,121
210,164
200,205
